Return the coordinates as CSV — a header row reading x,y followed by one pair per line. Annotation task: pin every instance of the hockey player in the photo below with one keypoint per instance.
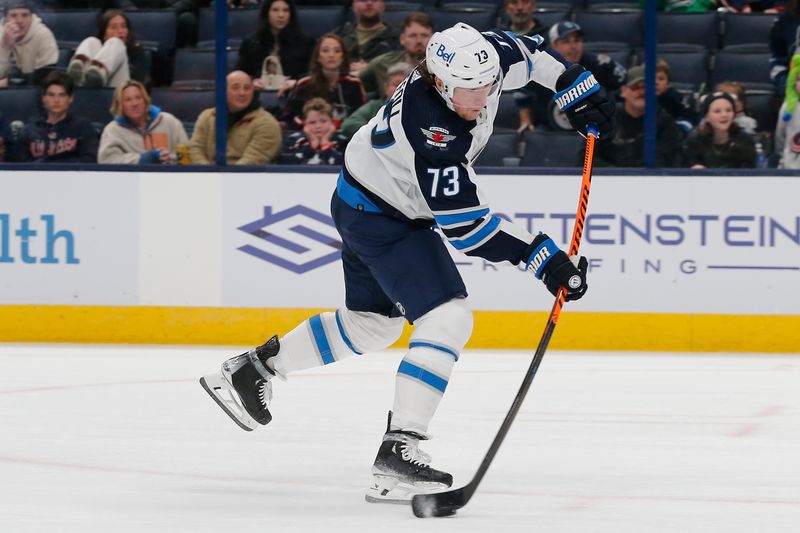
x,y
408,169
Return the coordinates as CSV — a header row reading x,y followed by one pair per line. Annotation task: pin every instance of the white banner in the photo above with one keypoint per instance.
x,y
696,244
69,238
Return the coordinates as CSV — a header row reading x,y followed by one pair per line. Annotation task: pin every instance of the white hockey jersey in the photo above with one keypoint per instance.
x,y
416,154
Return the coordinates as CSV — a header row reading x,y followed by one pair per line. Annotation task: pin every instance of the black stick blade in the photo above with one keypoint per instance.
x,y
439,503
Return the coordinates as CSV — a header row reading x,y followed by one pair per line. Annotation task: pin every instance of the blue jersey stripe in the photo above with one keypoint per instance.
x,y
323,346
457,218
344,335
429,378
445,349
479,236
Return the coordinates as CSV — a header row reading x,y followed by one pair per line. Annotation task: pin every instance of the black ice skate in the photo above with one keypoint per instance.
x,y
243,388
401,470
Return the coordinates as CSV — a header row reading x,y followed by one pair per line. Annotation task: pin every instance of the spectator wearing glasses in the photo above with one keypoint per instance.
x,y
58,136
28,49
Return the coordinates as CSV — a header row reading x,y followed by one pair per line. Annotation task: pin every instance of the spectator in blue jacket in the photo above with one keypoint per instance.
x,y
58,136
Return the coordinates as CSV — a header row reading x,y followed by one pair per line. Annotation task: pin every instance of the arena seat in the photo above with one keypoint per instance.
x,y
155,25
70,27
316,21
501,145
480,18
747,29
551,149
93,104
185,104
613,25
20,103
689,28
241,23
547,16
507,113
619,52
687,66
751,70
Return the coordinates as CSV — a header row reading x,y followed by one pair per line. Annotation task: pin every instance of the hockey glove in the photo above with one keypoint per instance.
x,y
555,268
584,101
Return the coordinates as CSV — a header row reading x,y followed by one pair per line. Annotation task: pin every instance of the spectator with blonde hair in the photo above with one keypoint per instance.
x,y
140,132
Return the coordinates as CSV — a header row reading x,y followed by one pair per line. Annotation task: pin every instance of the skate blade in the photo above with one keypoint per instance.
x,y
385,489
220,391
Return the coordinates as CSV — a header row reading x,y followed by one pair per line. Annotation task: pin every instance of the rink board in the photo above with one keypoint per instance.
x,y
677,262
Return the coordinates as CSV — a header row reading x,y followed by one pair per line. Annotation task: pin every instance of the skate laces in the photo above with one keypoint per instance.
x,y
265,392
409,449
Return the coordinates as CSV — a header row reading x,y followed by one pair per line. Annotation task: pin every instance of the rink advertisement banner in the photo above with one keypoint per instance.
x,y
655,244
68,238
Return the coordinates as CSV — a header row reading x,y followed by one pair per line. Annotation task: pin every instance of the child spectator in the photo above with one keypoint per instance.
x,y
719,142
140,133
280,38
254,136
319,143
28,49
736,89
111,58
328,79
58,136
787,132
671,100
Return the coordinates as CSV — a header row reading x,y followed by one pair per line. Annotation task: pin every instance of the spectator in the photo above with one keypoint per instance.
x,y
254,136
520,20
625,148
28,49
784,37
684,6
369,37
58,136
279,38
787,132
318,143
111,58
140,133
7,141
328,78
394,75
719,142
737,91
416,32
535,101
672,101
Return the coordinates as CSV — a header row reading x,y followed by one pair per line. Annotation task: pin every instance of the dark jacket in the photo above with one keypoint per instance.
x,y
626,147
294,50
738,152
72,140
346,97
386,41
299,152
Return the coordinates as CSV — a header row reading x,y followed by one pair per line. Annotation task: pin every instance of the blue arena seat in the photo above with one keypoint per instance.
x,y
93,104
507,113
619,52
396,13
552,149
20,103
751,29
480,18
614,25
184,104
156,25
687,66
191,64
547,17
501,145
751,70
241,23
316,21
763,106
689,28
70,27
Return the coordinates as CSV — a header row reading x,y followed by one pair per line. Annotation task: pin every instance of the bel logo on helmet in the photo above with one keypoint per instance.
x,y
442,52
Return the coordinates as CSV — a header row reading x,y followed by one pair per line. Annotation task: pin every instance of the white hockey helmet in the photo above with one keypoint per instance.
x,y
461,57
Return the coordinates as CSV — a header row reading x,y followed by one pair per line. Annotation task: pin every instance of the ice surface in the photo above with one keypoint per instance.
x,y
123,439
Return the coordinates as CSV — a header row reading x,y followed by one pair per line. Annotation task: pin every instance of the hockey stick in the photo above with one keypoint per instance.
x,y
447,503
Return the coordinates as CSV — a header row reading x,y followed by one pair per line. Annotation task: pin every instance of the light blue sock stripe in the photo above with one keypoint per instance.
x,y
419,344
423,375
321,339
344,336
